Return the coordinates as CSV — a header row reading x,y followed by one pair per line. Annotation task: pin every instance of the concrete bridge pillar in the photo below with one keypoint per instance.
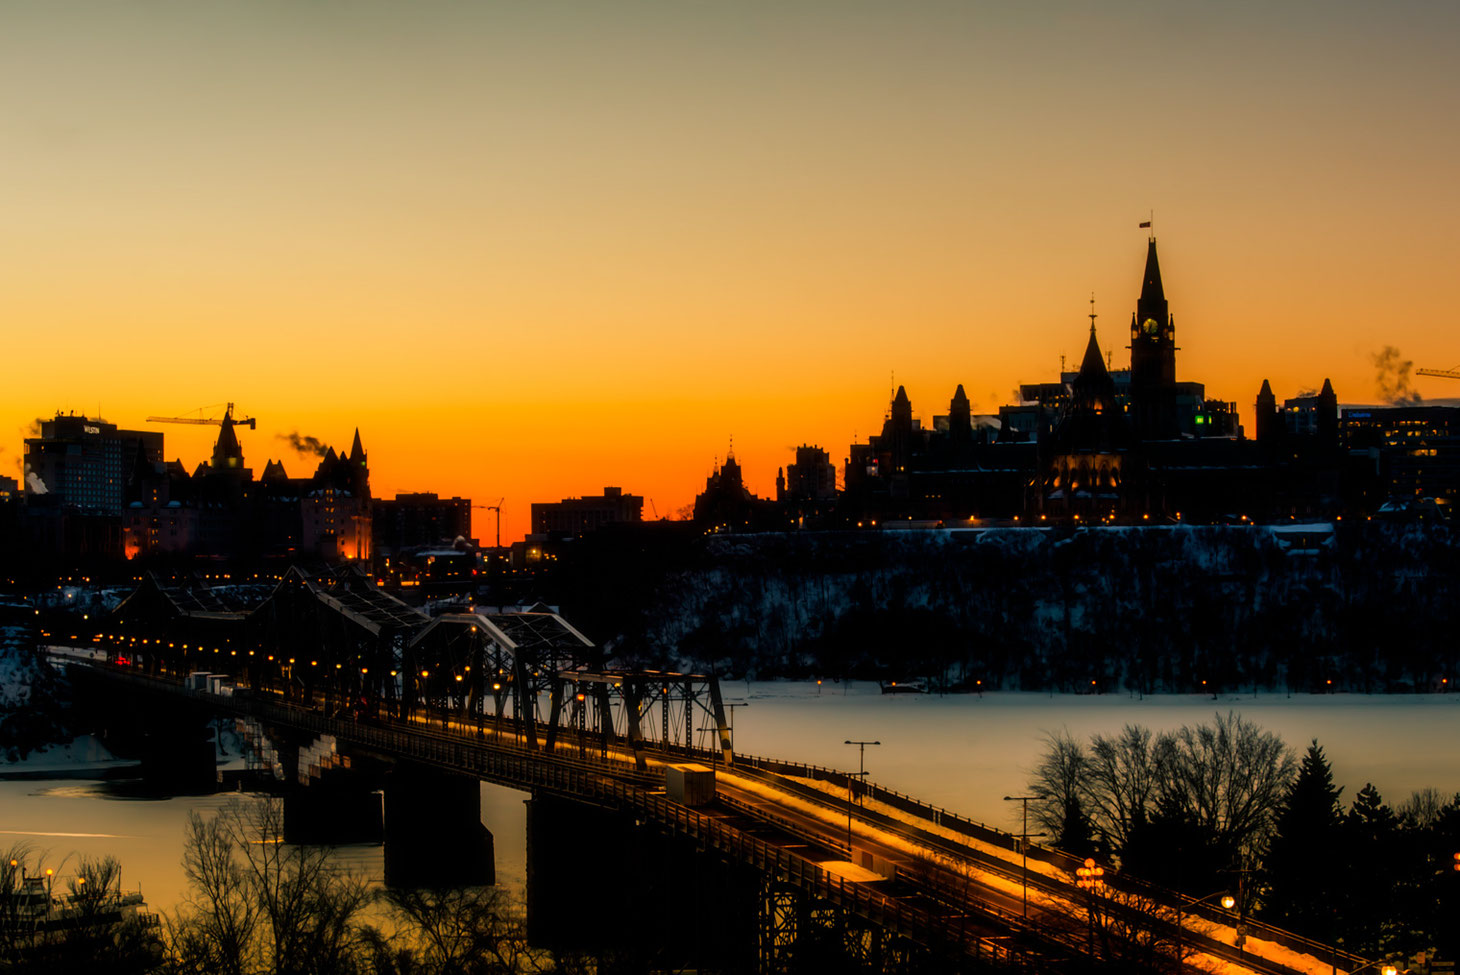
x,y
333,810
434,835
179,755
598,878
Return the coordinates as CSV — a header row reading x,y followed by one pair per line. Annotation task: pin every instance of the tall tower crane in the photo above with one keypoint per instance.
x,y
248,421
498,509
1441,373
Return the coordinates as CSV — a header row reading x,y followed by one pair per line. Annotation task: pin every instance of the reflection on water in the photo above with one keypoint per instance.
x,y
123,817
962,752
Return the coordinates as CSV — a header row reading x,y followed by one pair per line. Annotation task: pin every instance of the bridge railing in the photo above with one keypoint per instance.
x,y
1133,885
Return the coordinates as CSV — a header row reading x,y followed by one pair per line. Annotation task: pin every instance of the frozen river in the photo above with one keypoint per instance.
x,y
961,752
966,752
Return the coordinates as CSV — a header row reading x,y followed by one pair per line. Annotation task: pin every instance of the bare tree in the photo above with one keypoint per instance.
x,y
1061,781
217,933
262,906
1120,786
1227,778
472,931
1423,807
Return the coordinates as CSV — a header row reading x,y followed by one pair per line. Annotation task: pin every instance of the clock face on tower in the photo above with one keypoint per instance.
x,y
1150,327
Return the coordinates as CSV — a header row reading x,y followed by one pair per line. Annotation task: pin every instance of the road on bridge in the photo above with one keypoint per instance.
x,y
972,892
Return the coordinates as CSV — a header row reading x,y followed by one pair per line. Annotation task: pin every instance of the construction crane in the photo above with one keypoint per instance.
x,y
498,509
248,421
1441,373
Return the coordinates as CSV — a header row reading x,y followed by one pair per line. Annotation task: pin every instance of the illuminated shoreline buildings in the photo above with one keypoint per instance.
x,y
1136,445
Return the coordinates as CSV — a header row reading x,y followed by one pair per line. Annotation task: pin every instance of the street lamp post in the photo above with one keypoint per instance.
x,y
1091,878
1227,902
731,708
1024,842
861,776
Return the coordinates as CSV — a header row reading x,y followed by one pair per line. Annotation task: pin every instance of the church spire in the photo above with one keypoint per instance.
x,y
1092,367
1151,290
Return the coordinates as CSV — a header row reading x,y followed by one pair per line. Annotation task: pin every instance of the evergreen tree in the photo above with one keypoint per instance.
x,y
1442,881
1303,870
1374,873
1076,835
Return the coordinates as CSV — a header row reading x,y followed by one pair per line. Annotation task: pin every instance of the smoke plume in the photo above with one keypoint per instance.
x,y
303,443
1393,377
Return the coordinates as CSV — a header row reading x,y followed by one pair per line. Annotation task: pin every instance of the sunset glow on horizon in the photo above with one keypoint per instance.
x,y
534,250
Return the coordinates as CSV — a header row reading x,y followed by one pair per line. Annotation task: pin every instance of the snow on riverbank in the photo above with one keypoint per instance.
x,y
81,754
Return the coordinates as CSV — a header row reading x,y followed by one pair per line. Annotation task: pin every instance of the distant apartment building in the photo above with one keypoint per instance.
x,y
575,516
419,520
1415,449
84,463
811,478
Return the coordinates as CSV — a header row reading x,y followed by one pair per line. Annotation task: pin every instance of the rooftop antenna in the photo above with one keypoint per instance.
x,y
1062,364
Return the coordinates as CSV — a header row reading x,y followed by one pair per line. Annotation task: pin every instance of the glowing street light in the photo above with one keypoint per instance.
x,y
1227,901
1091,878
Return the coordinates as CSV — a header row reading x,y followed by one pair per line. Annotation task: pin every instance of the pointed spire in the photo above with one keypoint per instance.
x,y
1093,365
227,452
1327,390
1151,290
357,450
901,409
960,420
1266,424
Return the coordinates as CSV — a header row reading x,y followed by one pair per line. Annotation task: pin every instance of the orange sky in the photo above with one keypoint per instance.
x,y
532,250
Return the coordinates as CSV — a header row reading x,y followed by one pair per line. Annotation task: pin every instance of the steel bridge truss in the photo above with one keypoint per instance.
x,y
800,932
535,677
336,641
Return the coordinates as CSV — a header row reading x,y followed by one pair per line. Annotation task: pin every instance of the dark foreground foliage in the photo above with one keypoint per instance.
x,y
258,906
1224,807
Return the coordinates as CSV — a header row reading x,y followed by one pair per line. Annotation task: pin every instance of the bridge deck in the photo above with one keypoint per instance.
x,y
951,889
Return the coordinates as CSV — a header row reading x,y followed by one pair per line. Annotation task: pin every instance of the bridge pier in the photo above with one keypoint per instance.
x,y
601,883
333,810
179,755
434,835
